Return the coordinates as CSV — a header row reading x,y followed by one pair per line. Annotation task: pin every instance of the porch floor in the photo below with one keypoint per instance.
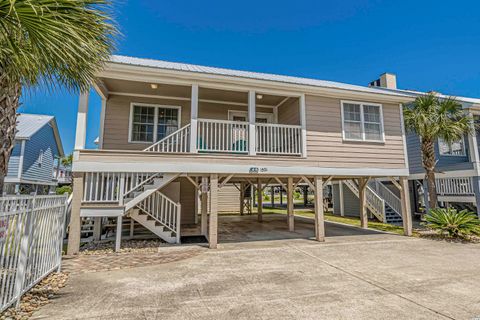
x,y
236,228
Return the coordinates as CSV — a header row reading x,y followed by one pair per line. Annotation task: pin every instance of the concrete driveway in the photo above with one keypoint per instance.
x,y
362,276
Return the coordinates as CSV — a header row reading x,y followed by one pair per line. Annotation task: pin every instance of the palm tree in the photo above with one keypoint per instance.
x,y
51,43
431,118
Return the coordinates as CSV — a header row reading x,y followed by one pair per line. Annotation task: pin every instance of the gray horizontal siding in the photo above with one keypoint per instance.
x,y
445,163
14,161
44,140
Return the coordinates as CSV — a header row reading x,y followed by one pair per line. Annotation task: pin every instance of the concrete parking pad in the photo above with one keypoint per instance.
x,y
356,276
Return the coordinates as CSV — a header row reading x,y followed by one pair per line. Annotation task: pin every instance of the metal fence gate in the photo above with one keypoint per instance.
x,y
31,240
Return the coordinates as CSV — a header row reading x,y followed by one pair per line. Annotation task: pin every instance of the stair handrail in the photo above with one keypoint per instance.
x,y
374,202
163,210
135,187
390,198
171,143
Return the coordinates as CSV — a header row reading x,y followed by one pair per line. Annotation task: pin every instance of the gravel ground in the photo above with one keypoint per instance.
x,y
128,246
37,297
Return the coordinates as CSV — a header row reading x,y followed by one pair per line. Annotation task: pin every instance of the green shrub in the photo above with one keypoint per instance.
x,y
297,195
64,189
452,222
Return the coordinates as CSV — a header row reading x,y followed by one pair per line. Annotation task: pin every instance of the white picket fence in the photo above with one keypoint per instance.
x,y
31,239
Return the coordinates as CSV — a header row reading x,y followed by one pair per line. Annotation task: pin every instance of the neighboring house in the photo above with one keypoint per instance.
x,y
173,133
37,145
62,174
457,170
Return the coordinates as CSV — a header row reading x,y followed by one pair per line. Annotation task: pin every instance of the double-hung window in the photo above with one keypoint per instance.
x,y
456,148
362,121
152,123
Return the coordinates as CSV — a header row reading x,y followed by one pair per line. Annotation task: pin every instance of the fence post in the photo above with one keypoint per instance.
x,y
23,255
62,232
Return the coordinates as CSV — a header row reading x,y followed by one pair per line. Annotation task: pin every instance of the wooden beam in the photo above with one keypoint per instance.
x,y
204,207
259,200
395,183
327,181
319,210
310,184
290,211
363,202
213,218
226,180
406,211
280,183
195,184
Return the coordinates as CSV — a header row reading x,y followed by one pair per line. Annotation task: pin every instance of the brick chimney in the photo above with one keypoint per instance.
x,y
386,80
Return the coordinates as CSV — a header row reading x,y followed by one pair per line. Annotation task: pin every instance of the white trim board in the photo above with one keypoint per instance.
x,y
362,121
196,167
155,120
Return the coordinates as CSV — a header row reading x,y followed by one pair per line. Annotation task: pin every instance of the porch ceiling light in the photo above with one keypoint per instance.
x,y
154,85
259,96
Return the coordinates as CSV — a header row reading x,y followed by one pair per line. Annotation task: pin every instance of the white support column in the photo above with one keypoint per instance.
x,y
259,200
213,225
194,119
319,210
251,123
303,124
290,211
118,234
81,132
204,206
340,193
406,212
102,123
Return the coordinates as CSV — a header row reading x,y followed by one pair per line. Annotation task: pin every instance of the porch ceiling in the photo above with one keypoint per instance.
x,y
177,91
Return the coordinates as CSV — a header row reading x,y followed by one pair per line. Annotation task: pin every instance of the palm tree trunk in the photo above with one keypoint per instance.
x,y
429,161
9,103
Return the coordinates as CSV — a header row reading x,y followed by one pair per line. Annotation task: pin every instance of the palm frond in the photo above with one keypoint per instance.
x,y
50,41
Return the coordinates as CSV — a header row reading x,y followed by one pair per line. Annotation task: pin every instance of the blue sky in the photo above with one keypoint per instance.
x,y
430,45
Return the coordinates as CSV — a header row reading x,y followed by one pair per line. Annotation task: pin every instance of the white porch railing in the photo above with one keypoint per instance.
x,y
176,142
222,136
386,194
375,203
454,186
163,210
31,239
112,186
233,137
278,139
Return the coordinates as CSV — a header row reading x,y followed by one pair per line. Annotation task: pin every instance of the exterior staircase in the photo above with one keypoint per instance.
x,y
381,202
154,210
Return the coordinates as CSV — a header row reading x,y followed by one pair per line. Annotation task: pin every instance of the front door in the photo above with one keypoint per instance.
x,y
239,133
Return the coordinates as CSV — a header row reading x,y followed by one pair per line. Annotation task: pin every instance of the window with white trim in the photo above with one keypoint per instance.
x,y
456,148
362,121
153,123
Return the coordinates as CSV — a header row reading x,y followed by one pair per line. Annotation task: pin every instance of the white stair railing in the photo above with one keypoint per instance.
x,y
375,203
454,186
176,142
386,194
222,136
163,210
278,139
113,186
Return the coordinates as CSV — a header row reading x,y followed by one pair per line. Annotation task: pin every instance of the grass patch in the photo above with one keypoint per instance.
x,y
353,221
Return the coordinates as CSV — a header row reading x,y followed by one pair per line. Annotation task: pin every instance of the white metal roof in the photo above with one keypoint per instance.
x,y
28,124
161,64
